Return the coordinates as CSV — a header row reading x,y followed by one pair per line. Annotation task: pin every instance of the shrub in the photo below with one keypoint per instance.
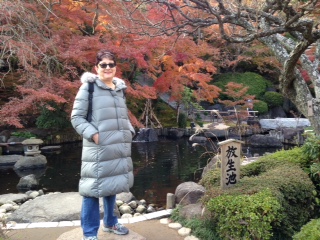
x,y
261,107
310,231
165,114
293,155
200,123
23,134
273,99
53,118
311,148
278,158
311,151
245,216
211,179
256,84
294,191
202,228
288,183
182,120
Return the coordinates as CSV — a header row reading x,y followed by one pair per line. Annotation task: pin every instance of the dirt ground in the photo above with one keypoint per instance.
x,y
149,230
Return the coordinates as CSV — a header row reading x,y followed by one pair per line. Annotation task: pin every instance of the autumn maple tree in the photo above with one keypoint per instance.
x,y
185,67
238,101
45,47
51,43
288,28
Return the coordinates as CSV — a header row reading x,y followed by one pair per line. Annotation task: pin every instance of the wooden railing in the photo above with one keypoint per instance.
x,y
216,115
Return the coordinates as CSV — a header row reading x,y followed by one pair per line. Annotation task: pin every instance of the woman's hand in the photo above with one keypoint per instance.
x,y
95,138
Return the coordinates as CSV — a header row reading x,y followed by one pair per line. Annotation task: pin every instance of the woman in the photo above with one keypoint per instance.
x,y
106,167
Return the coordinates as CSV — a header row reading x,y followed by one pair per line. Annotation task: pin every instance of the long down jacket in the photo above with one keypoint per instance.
x,y
106,167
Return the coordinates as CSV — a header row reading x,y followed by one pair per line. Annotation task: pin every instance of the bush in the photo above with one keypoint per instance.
x,y
256,84
165,114
278,158
311,148
245,216
311,152
182,120
202,228
23,134
261,107
310,231
288,183
53,118
273,99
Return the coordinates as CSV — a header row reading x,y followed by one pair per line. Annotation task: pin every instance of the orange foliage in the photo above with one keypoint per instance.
x,y
238,94
58,47
185,66
52,45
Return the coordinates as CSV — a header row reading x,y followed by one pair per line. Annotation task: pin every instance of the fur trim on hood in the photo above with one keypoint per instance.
x,y
88,77
91,77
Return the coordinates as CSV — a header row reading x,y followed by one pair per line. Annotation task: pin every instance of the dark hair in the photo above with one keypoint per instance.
x,y
105,54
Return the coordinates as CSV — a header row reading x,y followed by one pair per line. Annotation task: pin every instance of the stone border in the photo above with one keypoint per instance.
x,y
144,217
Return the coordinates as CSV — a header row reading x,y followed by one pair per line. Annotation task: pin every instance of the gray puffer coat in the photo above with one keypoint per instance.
x,y
106,167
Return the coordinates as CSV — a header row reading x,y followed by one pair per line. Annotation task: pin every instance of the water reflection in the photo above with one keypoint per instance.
x,y
159,167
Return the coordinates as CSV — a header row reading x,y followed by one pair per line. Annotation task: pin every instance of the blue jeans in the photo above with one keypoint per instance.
x,y
90,214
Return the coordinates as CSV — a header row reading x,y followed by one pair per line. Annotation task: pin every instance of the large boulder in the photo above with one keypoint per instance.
x,y
175,133
146,135
259,140
53,207
125,197
192,211
293,136
189,193
277,112
29,182
31,162
211,165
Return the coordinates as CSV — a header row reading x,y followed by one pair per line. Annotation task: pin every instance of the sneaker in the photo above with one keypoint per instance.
x,y
90,238
117,229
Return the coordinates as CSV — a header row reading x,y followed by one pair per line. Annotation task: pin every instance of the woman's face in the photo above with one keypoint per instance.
x,y
106,70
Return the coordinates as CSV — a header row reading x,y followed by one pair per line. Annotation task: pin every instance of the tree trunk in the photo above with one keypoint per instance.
x,y
292,84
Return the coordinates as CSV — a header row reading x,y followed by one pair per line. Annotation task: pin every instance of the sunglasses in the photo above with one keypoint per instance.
x,y
105,65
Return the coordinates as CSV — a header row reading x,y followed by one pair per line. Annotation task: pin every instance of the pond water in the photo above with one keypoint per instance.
x,y
159,167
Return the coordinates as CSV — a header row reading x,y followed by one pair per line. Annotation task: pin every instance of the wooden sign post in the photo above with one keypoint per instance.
x,y
230,162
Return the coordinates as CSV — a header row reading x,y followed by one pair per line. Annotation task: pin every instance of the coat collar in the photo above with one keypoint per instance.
x,y
91,77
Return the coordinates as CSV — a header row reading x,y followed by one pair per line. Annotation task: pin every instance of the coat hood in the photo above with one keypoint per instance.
x,y
91,77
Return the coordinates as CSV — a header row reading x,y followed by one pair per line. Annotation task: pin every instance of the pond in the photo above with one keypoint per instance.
x,y
159,167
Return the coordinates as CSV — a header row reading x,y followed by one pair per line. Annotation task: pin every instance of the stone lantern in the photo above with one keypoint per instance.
x,y
31,146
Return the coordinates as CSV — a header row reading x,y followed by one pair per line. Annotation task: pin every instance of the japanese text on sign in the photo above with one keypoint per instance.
x,y
231,169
